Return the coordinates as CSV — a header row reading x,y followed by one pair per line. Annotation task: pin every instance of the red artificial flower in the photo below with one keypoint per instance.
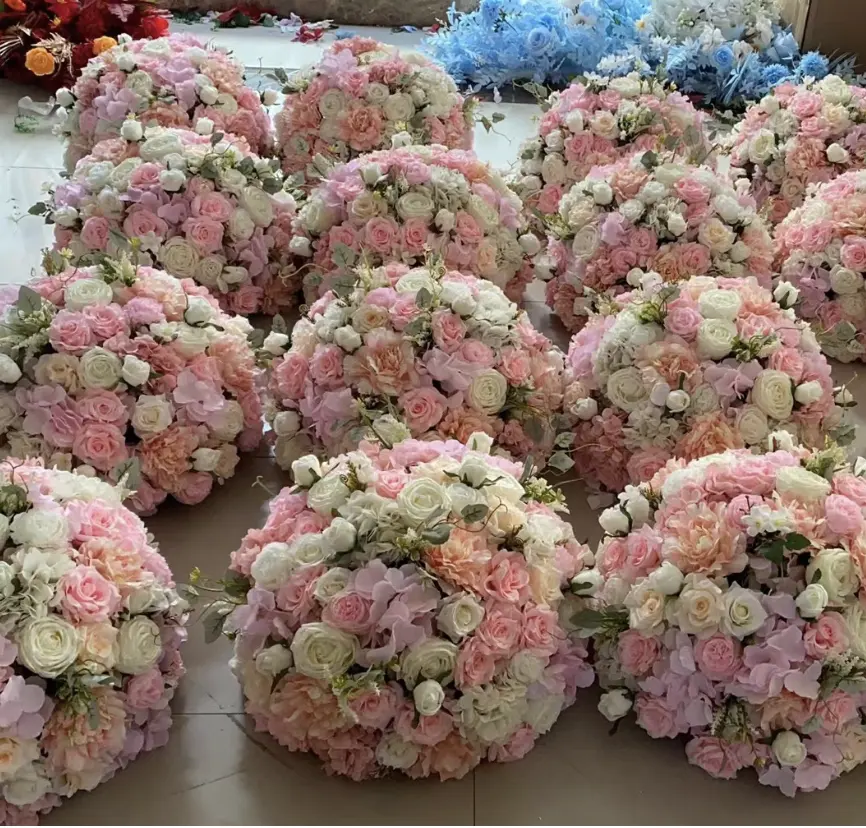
x,y
153,26
308,34
65,10
15,5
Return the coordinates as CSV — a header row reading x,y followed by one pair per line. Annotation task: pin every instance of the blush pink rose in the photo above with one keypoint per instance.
x,y
507,578
521,742
204,233
106,321
101,444
475,664
613,556
477,353
715,756
381,234
644,547
499,630
843,516
718,657
638,653
416,235
86,597
142,222
853,254
515,365
390,483
423,408
694,259
655,717
147,691
70,333
212,205
828,635
683,319
290,375
467,228
377,708
789,361
837,710
193,487
349,611
103,407
423,730
541,633
326,366
95,232
403,311
854,488
449,330
63,424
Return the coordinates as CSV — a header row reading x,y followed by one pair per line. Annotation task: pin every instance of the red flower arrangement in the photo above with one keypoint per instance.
x,y
48,42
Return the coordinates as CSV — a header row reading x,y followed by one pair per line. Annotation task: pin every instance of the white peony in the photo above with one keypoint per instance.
x,y
762,146
273,566
306,470
323,652
340,535
40,528
667,579
393,751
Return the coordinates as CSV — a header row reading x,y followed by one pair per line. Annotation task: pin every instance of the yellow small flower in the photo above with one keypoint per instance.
x,y
103,44
39,61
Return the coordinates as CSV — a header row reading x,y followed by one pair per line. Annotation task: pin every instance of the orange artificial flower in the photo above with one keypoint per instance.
x,y
103,44
15,5
39,61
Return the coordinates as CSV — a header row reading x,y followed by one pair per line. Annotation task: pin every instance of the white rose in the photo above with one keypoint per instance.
x,y
286,423
393,751
275,343
801,484
677,400
678,225
585,409
273,660
85,293
332,103
632,210
40,528
327,494
835,570
614,521
837,154
47,646
845,281
604,124
135,371
178,257
772,394
431,658
30,784
428,696
716,235
332,581
526,668
208,95
587,583
585,242
727,207
140,645
65,216
667,579
752,425
574,120
601,192
347,338
812,601
323,652
423,499
743,612
646,608
720,304
459,615
786,294
131,130
529,244
399,107
808,392
715,338
699,606
198,311
241,225
480,442
488,391
204,126
553,169
626,389
9,370
152,415
259,205
273,566
99,368
614,704
205,459
64,97
762,146
789,749
340,535
306,470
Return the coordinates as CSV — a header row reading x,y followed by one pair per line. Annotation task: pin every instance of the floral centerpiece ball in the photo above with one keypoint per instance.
x,y
400,611
821,250
727,607
110,364
422,352
200,207
797,136
401,205
89,638
597,122
362,95
173,81
690,370
677,219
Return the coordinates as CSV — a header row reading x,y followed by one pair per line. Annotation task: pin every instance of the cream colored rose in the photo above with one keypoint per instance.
x,y
98,646
99,368
720,304
152,415
762,147
752,425
332,103
646,608
698,609
460,615
140,645
586,242
716,235
431,658
47,646
801,484
259,205
553,169
58,369
415,204
179,257
488,391
835,570
845,281
230,422
743,613
393,751
716,338
626,389
399,107
85,293
208,271
421,500
241,225
773,395
327,494
323,652
604,124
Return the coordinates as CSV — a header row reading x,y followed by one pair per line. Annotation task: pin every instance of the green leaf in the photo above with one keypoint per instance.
x,y
497,117
29,301
589,621
650,160
38,209
437,534
213,620
774,551
208,170
216,137
236,585
343,256
415,327
844,435
474,513
560,461
271,185
796,541
692,137
578,588
278,324
564,439
256,338
424,299
131,470
534,429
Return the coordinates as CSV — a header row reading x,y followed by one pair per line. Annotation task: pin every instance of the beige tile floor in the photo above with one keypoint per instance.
x,y
215,770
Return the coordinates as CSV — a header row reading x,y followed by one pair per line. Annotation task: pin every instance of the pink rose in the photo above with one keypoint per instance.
x,y
290,375
477,353
449,330
515,365
789,361
95,232
143,311
86,597
837,710
644,548
507,579
475,664
692,191
716,756
622,260
63,424
213,206
103,407
467,229
381,234
694,259
390,483
204,233
499,630
843,515
655,717
297,596
146,176
70,333
613,556
423,730
101,444
642,465
416,235
805,104
683,318
349,611
853,254
828,635
643,241
718,657
326,366
245,300
854,488
638,653
423,408
106,321
541,633
519,744
147,691
193,487
377,708
141,222
403,311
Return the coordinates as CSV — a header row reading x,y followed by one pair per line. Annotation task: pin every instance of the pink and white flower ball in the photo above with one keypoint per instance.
x,y
403,204
674,218
689,370
393,623
800,135
90,638
118,363
199,208
362,94
425,353
597,122
730,590
173,81
821,253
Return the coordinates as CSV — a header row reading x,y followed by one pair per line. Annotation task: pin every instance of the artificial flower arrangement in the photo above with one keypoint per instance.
x,y
597,121
49,42
199,206
727,610
424,352
821,250
112,363
89,639
692,369
173,81
402,609
401,205
797,136
643,211
359,96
